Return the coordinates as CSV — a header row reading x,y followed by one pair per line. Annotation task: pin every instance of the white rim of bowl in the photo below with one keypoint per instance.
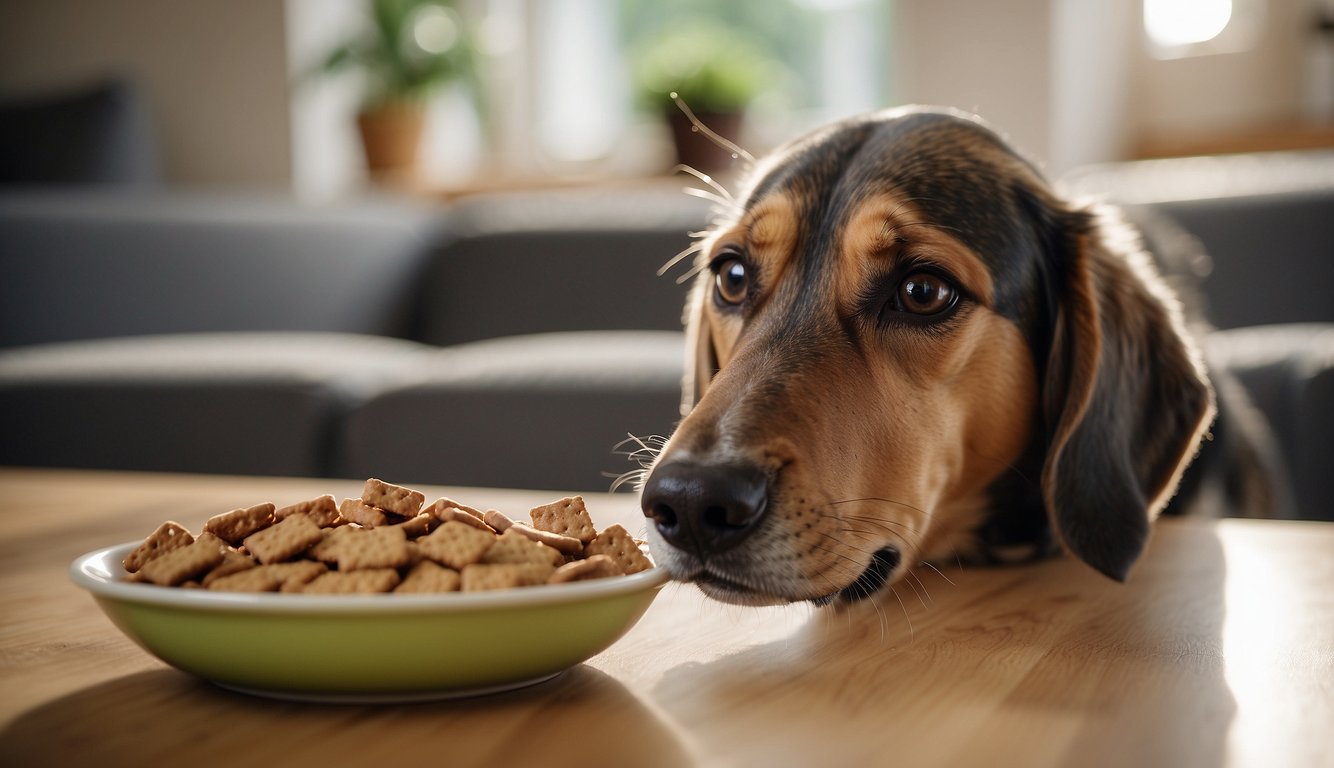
x,y
100,572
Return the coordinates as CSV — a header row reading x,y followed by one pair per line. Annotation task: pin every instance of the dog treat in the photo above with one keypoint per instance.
x,y
419,526
283,541
232,562
513,548
361,513
184,563
445,502
445,512
258,579
384,541
323,511
232,527
616,543
568,517
595,567
385,547
497,520
168,536
357,582
456,544
401,501
482,576
427,576
566,545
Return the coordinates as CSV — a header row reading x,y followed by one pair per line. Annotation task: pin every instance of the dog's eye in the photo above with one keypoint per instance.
x,y
924,293
731,279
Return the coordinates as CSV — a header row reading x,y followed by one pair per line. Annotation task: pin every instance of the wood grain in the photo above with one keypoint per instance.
x,y
1219,651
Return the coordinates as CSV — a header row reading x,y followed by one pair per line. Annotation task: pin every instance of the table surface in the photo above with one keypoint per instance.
x,y
1219,651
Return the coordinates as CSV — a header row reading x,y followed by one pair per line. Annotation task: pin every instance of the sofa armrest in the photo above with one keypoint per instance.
x,y
1288,370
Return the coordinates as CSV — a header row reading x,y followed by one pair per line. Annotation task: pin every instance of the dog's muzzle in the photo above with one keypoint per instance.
x,y
703,508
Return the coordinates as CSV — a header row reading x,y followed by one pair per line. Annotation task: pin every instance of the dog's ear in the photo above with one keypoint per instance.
x,y
1125,396
701,357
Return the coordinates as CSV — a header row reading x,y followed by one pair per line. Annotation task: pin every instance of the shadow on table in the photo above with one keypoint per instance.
x,y
1046,664
165,717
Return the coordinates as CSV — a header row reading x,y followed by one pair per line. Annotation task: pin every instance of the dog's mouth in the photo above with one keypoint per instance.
x,y
728,589
877,573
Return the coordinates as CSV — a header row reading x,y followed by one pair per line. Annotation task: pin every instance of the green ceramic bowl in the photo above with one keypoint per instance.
x,y
371,647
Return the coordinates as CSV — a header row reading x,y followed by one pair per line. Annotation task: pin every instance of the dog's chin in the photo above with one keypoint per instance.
x,y
746,591
725,590
877,574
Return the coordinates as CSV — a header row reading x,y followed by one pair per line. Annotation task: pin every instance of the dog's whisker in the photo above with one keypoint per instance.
x,y
915,592
912,633
942,573
923,596
726,197
918,510
695,270
707,195
693,248
714,137
633,476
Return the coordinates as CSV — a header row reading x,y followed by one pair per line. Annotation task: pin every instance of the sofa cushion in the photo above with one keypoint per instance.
x,y
86,265
1288,370
559,261
265,404
100,134
546,411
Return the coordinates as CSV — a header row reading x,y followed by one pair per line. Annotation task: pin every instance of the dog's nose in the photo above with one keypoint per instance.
x,y
705,508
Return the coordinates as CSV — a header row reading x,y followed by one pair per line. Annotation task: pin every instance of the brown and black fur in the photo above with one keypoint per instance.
x,y
832,441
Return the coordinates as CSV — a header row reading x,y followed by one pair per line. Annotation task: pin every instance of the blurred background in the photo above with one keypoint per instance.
x,y
527,92
434,241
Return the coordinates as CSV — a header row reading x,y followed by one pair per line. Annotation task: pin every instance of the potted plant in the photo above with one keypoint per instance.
x,y
411,49
715,72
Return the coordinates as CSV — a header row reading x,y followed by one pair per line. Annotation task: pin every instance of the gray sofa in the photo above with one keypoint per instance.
x,y
512,340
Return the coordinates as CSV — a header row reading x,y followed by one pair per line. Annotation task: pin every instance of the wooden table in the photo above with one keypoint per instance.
x,y
1220,651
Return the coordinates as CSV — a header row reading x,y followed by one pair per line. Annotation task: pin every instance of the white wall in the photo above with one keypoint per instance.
x,y
212,73
985,56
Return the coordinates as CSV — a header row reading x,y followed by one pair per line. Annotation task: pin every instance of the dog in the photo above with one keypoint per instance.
x,y
905,347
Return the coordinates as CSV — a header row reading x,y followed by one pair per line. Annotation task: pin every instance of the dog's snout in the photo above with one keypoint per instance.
x,y
705,508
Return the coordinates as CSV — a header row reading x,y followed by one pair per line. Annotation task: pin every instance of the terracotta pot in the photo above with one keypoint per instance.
x,y
697,150
391,136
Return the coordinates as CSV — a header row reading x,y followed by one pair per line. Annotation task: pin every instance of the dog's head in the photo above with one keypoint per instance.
x,y
901,338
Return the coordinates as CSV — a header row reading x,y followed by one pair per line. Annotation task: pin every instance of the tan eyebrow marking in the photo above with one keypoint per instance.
x,y
880,224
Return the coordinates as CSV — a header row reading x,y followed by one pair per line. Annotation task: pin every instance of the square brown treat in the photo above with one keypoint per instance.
x,y
296,572
186,563
284,541
323,511
426,576
419,526
480,577
326,550
568,517
615,542
385,547
514,548
595,567
232,527
260,579
232,562
168,536
404,502
357,582
361,513
456,544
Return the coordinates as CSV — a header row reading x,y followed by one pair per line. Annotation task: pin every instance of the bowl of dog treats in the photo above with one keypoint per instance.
x,y
380,598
